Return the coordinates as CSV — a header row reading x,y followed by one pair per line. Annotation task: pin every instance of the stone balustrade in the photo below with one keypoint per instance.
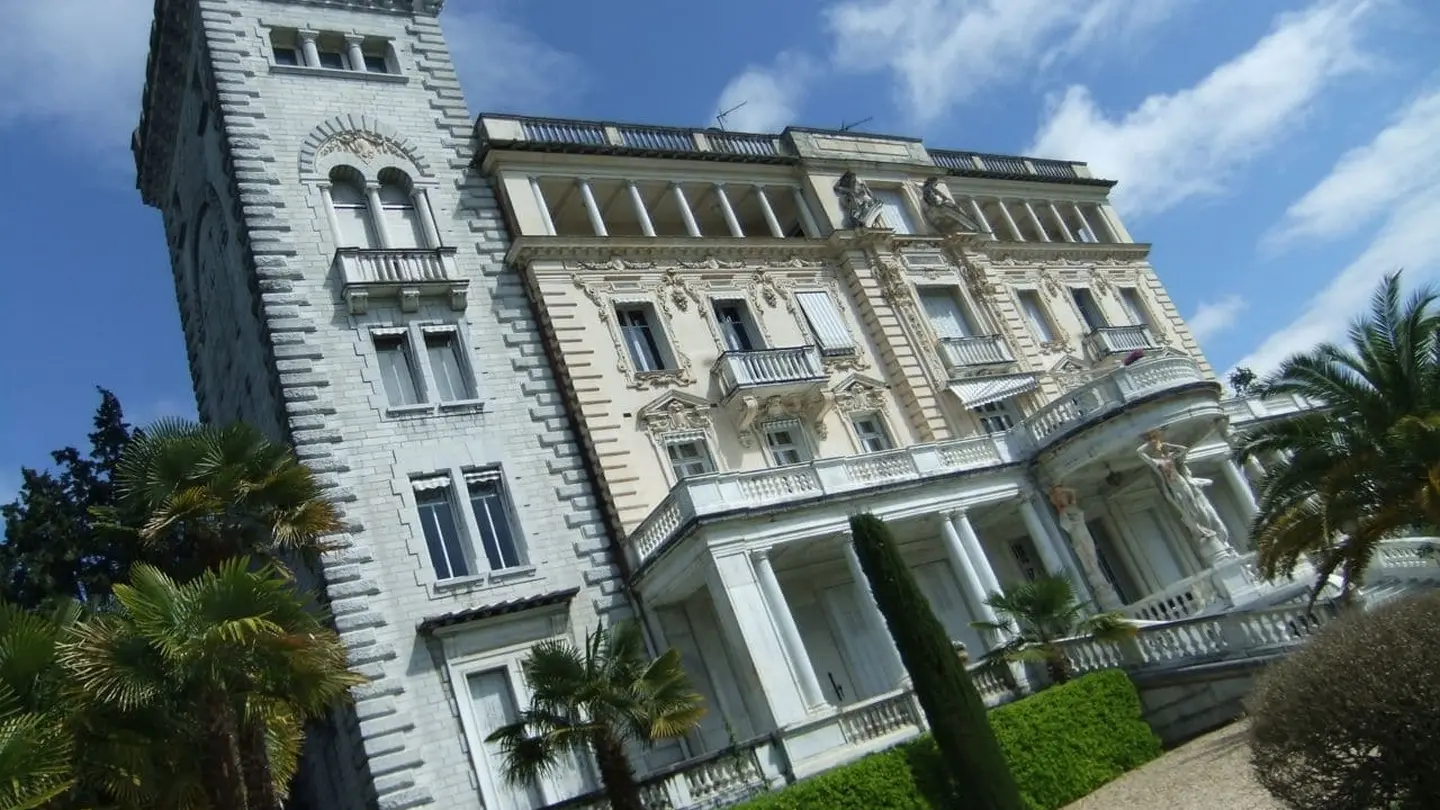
x,y
403,274
965,354
769,368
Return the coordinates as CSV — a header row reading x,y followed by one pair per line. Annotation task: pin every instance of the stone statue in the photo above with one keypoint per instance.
x,y
1072,520
943,213
859,203
1186,493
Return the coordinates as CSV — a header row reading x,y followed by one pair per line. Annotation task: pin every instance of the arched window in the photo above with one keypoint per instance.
x,y
352,210
402,221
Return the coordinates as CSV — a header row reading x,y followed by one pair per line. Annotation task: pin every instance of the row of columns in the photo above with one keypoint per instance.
x,y
310,51
418,198
1105,234
687,214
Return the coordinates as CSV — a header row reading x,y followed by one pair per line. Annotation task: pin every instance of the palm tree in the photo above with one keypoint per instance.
x,y
229,664
206,493
594,701
36,746
1038,614
1367,465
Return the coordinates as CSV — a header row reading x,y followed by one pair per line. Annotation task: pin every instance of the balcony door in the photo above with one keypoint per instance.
x,y
947,317
1090,311
737,329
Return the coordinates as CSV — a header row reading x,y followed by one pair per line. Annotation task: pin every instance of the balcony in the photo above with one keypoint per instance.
x,y
638,139
1113,392
770,371
966,355
1111,340
401,275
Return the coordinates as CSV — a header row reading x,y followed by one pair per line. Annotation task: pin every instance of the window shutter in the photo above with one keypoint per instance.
x,y
944,313
825,322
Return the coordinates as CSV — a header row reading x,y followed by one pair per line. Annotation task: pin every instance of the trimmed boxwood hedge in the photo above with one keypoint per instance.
x,y
1062,744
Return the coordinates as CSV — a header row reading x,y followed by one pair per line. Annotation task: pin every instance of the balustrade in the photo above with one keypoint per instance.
x,y
1108,340
405,274
769,368
960,353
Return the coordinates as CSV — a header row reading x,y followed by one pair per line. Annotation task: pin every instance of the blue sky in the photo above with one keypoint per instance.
x,y
1281,155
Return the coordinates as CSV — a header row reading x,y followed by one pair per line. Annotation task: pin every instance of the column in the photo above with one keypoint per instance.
x,y
377,214
1255,471
1059,220
646,226
806,218
357,56
308,51
1072,520
544,207
1009,220
1050,555
421,200
330,214
1035,220
789,634
770,221
965,570
873,617
753,641
725,208
980,216
1112,228
591,209
691,228
1085,222
1243,494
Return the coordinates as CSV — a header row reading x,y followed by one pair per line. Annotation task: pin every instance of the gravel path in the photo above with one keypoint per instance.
x,y
1209,772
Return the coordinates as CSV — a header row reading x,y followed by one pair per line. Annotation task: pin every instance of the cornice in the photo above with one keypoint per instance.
x,y
647,251
1065,252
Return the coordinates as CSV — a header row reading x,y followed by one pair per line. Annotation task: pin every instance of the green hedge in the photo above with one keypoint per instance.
x,y
1062,744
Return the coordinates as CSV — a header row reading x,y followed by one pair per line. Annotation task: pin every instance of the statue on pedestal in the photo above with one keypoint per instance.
x,y
1186,493
857,200
943,213
1072,520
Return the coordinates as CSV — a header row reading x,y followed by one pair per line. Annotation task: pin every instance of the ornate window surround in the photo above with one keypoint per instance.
x,y
859,394
605,295
856,359
715,295
676,417
1043,294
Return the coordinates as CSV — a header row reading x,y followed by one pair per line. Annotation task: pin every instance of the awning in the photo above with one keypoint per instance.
x,y
982,390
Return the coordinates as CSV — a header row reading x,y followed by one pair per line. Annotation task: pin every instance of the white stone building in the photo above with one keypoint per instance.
x,y
700,353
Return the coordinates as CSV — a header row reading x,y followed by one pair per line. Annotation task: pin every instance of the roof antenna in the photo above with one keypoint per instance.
x,y
844,127
720,118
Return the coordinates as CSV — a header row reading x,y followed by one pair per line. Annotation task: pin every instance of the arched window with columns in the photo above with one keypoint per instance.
x,y
351,207
400,208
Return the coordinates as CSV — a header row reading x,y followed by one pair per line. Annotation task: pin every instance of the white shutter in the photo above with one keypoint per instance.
x,y
944,313
893,210
824,319
1030,302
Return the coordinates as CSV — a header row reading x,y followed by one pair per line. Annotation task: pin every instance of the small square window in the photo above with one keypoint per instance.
x,y
786,442
870,429
995,417
493,519
377,63
286,55
335,60
442,349
397,370
690,458
442,533
285,47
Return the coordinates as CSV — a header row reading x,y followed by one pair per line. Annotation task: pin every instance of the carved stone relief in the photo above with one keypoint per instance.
x,y
674,414
811,409
859,395
364,145
857,201
942,213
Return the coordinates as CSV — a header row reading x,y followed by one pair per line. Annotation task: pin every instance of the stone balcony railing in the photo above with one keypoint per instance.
x,y
1250,409
1109,393
637,137
1109,340
777,370
963,355
405,275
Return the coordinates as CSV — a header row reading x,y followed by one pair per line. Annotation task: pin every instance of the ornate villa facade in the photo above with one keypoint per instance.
x,y
563,372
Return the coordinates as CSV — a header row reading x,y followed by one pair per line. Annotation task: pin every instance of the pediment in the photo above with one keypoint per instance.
x,y
675,411
859,392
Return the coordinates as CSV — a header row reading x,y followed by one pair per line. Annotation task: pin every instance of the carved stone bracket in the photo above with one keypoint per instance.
x,y
811,408
858,394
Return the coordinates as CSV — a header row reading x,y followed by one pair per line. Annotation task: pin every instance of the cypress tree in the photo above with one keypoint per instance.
x,y
959,722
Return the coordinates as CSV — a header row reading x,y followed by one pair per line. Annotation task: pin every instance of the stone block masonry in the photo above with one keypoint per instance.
x,y
228,152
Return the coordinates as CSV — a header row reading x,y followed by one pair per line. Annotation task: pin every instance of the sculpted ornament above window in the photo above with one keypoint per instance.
x,y
944,214
857,201
675,413
859,394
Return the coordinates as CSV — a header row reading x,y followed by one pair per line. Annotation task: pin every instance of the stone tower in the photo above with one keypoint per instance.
x,y
341,280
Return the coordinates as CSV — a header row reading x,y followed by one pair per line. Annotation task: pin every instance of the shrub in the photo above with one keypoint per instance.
x,y
1353,719
1061,744
956,713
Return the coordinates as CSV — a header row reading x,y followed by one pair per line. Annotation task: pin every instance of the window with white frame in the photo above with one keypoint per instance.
x,y
397,208
397,223
995,417
352,209
894,210
438,375
1135,307
291,48
1090,312
737,327
870,430
639,330
786,442
1035,315
947,315
689,456
493,519
397,369
459,547
825,322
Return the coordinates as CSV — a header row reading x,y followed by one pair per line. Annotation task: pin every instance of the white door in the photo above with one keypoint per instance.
x,y
836,684
863,651
494,706
937,582
1155,544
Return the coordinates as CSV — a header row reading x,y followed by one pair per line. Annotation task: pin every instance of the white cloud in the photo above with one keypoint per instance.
x,y
1408,237
502,66
771,94
1213,317
76,67
1402,160
1189,143
942,52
